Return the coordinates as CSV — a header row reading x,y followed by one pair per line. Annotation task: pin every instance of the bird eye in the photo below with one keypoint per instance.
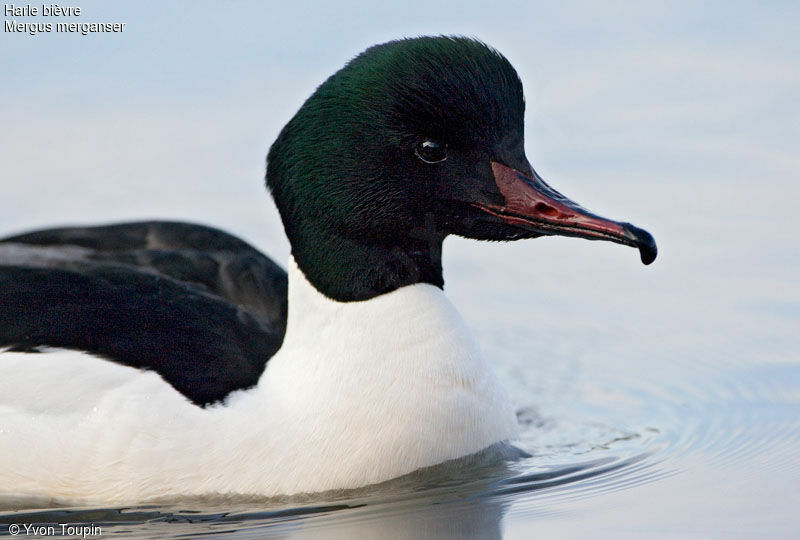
x,y
431,152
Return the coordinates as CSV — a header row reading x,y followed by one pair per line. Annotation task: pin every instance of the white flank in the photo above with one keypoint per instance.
x,y
360,393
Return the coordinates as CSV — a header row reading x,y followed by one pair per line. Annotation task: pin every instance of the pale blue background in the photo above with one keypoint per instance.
x,y
681,117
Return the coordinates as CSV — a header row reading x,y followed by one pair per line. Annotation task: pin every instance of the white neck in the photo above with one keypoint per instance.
x,y
375,389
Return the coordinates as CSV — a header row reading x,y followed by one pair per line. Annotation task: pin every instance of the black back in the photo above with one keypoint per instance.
x,y
200,307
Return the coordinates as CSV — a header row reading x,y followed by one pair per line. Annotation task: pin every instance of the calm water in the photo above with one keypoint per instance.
x,y
657,402
651,407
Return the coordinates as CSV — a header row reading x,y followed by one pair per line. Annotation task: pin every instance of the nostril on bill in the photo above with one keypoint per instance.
x,y
545,210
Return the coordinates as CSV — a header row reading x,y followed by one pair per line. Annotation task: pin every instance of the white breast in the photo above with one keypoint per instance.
x,y
360,392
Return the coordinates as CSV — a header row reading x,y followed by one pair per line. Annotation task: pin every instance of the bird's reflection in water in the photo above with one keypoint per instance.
x,y
451,500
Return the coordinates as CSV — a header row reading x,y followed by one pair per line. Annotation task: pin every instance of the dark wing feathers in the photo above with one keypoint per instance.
x,y
136,235
197,305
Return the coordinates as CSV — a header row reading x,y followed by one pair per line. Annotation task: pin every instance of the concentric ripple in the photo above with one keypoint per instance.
x,y
611,433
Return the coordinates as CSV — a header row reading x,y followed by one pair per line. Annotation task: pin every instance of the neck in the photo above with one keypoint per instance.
x,y
367,391
346,270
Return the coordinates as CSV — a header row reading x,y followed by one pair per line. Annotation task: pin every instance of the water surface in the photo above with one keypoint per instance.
x,y
656,402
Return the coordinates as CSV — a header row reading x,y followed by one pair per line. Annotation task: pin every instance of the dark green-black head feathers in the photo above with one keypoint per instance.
x,y
349,171
364,124
411,141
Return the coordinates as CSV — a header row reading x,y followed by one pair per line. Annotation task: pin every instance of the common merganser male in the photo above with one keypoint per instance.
x,y
197,381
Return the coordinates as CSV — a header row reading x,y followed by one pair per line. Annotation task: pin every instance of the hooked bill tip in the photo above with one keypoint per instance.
x,y
648,254
646,244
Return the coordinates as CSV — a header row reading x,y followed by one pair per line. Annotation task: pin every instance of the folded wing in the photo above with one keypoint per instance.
x,y
200,307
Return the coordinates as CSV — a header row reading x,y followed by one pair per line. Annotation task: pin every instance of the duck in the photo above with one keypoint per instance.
x,y
157,359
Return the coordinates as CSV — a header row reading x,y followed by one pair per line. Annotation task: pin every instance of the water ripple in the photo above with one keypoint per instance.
x,y
618,433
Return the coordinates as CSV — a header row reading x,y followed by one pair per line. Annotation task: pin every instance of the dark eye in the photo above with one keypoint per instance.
x,y
431,152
